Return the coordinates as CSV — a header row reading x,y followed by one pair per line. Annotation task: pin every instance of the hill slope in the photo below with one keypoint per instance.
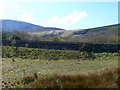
x,y
105,34
13,25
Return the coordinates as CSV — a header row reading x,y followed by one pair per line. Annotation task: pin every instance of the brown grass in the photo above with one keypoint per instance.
x,y
28,79
105,78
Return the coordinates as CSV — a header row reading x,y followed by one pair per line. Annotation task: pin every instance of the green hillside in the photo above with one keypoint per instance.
x,y
105,34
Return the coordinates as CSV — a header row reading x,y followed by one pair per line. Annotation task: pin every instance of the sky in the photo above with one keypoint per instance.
x,y
66,15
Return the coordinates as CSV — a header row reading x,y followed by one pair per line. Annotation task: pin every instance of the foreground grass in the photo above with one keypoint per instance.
x,y
106,78
17,70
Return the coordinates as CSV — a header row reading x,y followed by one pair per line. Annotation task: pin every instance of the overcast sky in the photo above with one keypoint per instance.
x,y
66,15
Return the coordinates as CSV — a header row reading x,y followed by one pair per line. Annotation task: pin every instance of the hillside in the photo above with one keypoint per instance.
x,y
104,34
13,25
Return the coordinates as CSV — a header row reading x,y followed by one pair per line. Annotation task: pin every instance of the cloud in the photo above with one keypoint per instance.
x,y
24,15
68,20
17,6
13,10
2,8
27,16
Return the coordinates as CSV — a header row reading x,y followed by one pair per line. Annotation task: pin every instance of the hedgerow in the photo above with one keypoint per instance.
x,y
51,54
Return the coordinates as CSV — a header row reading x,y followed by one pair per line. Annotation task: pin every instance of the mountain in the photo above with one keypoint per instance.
x,y
104,34
13,25
98,29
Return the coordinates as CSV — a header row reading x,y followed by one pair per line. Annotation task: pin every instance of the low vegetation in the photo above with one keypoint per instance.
x,y
51,54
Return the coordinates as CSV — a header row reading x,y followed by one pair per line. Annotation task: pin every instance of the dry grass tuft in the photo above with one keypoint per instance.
x,y
28,79
106,78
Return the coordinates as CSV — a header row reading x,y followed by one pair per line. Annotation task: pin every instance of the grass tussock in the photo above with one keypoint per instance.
x,y
106,78
29,79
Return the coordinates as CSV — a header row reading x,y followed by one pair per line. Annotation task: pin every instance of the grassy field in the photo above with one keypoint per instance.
x,y
28,67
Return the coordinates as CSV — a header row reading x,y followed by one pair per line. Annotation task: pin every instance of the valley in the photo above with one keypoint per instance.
x,y
26,31
34,56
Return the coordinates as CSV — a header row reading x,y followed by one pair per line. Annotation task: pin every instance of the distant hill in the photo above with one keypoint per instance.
x,y
98,29
104,34
13,25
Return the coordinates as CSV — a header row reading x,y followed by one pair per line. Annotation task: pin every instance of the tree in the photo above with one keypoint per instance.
x,y
21,35
4,36
84,47
14,37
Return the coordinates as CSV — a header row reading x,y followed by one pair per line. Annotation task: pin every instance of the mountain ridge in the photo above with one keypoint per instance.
x,y
21,26
103,34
